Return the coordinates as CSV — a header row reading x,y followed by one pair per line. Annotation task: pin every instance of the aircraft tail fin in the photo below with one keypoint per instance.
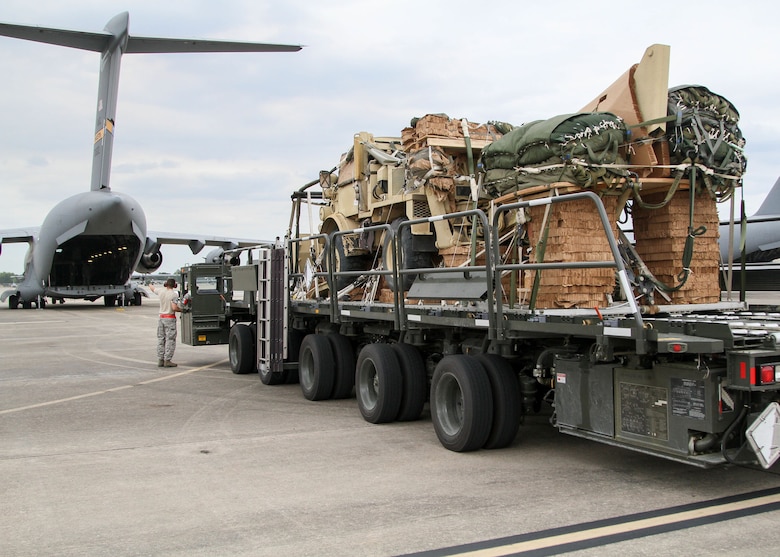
x,y
112,42
771,204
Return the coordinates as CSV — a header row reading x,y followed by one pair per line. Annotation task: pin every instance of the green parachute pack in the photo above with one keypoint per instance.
x,y
555,150
704,129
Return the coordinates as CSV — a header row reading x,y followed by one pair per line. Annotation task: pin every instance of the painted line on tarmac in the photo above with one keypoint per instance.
x,y
603,532
35,323
112,390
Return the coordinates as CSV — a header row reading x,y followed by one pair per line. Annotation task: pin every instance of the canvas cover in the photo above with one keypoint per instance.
x,y
539,152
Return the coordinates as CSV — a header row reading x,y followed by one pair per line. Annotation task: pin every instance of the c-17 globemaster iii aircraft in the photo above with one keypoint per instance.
x,y
762,232
90,244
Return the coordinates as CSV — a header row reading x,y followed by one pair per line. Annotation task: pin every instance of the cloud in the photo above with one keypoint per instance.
x,y
218,142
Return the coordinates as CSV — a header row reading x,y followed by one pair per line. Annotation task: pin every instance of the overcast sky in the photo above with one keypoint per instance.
x,y
215,143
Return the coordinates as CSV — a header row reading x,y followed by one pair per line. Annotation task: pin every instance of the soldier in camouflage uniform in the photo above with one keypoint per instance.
x,y
166,326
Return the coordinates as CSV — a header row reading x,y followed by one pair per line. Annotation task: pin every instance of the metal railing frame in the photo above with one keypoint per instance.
x,y
492,268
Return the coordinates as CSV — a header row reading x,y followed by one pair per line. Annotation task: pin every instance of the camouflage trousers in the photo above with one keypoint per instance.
x,y
166,338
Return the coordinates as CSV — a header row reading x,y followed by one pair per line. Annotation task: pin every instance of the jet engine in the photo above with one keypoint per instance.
x,y
149,262
217,256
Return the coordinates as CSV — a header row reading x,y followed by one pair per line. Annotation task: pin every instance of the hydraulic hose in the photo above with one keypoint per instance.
x,y
728,433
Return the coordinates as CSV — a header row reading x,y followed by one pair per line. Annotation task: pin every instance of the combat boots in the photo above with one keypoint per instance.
x,y
169,363
160,363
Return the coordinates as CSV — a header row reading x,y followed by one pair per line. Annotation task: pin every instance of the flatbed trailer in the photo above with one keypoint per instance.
x,y
695,383
475,268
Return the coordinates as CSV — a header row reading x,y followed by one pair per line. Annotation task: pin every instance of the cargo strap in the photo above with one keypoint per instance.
x,y
687,256
541,247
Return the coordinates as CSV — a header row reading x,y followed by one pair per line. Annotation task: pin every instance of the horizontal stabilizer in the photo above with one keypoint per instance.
x,y
99,41
61,37
148,45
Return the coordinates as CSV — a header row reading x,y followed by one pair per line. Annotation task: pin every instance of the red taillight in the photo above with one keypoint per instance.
x,y
767,374
676,347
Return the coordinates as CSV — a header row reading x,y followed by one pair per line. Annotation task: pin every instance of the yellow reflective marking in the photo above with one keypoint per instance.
x,y
101,133
599,532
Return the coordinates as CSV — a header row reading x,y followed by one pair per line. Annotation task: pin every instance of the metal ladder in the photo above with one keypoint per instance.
x,y
271,310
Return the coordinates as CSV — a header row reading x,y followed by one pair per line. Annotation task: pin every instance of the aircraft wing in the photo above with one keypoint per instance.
x,y
155,239
19,235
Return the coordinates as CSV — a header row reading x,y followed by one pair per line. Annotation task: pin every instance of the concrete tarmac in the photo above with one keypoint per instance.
x,y
104,453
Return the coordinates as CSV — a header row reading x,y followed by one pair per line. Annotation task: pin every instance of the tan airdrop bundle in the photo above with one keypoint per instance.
x,y
639,145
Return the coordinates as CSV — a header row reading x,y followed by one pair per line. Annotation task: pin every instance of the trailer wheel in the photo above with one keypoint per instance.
x,y
316,367
378,383
344,380
461,403
415,382
505,389
241,349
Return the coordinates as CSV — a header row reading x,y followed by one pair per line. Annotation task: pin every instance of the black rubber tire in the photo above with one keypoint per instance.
x,y
109,300
13,301
347,263
378,383
344,353
410,258
316,367
415,382
507,400
137,298
241,349
461,403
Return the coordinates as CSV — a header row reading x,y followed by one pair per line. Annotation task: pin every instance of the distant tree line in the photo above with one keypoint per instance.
x,y
8,278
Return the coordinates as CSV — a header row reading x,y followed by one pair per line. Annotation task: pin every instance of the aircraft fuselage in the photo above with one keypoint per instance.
x,y
762,241
89,245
